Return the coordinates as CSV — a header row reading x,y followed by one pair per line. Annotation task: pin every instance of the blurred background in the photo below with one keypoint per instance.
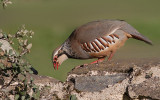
x,y
54,20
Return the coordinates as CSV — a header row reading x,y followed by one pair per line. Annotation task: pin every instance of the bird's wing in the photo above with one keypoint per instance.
x,y
90,31
96,29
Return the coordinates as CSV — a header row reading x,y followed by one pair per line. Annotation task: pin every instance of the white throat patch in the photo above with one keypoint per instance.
x,y
62,58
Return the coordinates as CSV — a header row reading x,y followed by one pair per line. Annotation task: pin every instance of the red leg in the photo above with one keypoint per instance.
x,y
111,55
97,61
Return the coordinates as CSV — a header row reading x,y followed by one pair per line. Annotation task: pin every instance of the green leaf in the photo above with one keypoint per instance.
x,y
1,44
23,98
21,77
36,95
2,66
16,97
35,86
30,71
32,79
5,52
73,97
10,52
23,93
17,53
25,81
5,35
20,42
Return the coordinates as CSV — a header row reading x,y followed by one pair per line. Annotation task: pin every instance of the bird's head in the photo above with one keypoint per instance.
x,y
58,57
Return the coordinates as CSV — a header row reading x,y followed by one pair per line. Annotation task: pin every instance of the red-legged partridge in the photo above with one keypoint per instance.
x,y
97,39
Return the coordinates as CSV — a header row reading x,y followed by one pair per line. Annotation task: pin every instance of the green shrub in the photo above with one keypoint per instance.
x,y
14,67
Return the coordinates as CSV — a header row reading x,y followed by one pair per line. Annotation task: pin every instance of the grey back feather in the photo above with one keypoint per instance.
x,y
100,28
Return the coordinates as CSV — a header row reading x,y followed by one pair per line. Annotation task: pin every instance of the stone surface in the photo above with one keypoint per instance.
x,y
146,85
148,89
117,80
98,83
113,92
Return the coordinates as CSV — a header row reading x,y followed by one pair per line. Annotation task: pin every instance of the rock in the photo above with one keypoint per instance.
x,y
148,89
98,83
117,80
109,86
143,87
50,88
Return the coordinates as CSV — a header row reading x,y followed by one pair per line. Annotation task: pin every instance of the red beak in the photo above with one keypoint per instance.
x,y
55,63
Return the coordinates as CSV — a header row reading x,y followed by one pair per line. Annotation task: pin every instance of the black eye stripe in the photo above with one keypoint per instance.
x,y
60,54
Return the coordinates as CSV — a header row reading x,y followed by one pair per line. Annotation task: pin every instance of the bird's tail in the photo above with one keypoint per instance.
x,y
135,34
